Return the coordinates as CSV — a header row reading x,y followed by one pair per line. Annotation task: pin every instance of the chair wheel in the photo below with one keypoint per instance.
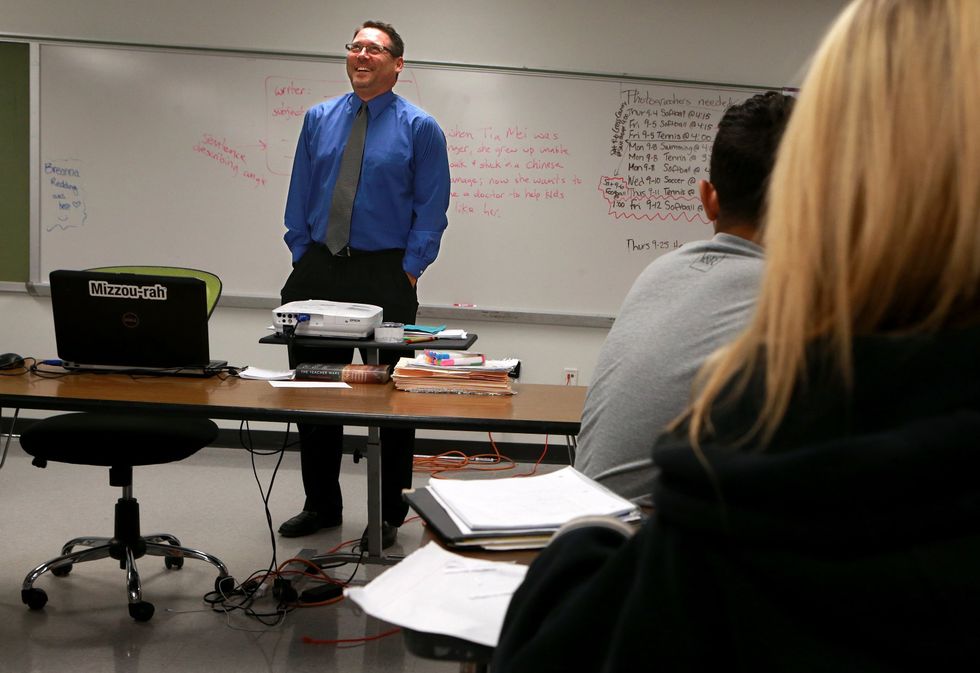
x,y
224,585
173,562
62,570
141,611
35,599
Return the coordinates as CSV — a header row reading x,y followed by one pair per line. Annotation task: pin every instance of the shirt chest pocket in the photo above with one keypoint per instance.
x,y
388,160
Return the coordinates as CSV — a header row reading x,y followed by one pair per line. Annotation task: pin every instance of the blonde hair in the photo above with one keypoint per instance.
x,y
872,224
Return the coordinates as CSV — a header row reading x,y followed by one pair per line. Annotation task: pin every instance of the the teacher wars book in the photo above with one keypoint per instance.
x,y
343,372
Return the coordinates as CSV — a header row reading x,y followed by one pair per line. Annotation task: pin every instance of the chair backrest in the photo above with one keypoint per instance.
x,y
211,281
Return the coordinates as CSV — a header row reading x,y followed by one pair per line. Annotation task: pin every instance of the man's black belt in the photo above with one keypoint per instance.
x,y
348,251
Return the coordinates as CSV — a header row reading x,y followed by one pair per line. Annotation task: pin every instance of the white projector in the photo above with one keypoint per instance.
x,y
318,317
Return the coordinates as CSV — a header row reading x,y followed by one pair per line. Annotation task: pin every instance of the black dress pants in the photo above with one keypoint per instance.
x,y
377,278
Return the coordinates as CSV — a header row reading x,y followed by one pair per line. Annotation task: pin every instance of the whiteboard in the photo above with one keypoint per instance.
x,y
564,186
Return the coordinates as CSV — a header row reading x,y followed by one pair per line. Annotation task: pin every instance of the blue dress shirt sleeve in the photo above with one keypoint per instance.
x,y
298,235
430,197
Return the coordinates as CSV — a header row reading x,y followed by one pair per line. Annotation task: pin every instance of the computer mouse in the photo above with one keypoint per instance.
x,y
10,361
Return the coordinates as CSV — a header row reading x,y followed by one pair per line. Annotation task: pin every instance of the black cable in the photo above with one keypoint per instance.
x,y
248,445
357,566
47,373
247,589
289,331
287,602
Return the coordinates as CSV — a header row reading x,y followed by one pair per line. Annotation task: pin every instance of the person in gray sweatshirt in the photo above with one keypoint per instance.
x,y
683,306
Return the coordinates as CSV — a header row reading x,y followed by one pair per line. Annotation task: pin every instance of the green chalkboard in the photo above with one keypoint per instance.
x,y
14,161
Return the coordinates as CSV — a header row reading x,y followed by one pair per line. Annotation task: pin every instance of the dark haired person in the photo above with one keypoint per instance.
x,y
683,306
396,224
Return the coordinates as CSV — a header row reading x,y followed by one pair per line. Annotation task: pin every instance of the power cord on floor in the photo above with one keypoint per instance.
x,y
245,437
243,596
280,577
350,641
457,461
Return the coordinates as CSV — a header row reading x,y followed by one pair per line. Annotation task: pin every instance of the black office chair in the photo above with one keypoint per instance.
x,y
119,442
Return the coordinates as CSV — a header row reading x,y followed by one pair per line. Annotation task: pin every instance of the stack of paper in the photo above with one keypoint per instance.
x,y
514,512
417,375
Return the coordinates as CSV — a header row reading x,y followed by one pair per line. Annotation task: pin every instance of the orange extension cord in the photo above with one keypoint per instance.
x,y
455,461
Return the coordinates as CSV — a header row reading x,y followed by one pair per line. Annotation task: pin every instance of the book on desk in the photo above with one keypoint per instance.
x,y
348,373
513,512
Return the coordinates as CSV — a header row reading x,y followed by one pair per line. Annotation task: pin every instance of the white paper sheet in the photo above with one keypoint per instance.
x,y
309,384
266,374
435,591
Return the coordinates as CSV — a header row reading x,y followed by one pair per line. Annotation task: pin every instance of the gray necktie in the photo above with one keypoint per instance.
x,y
338,224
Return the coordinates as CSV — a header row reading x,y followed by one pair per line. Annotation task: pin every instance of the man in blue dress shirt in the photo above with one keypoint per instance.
x,y
397,221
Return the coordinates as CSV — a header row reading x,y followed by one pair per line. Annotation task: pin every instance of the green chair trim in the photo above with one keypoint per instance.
x,y
211,281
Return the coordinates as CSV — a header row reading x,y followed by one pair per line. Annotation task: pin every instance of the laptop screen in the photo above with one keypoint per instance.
x,y
129,321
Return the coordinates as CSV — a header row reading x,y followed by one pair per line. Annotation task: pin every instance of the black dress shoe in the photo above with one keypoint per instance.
x,y
388,535
307,523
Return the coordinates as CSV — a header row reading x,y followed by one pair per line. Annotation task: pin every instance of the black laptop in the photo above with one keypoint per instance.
x,y
131,323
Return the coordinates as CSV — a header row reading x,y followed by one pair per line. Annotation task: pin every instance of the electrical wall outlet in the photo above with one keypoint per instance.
x,y
569,376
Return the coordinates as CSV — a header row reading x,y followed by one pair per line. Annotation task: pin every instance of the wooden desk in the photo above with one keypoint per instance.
x,y
535,409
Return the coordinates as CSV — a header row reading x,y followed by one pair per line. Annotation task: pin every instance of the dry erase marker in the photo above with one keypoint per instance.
x,y
461,362
465,305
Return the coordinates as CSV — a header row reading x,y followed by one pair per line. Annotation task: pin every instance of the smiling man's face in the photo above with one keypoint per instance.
x,y
370,75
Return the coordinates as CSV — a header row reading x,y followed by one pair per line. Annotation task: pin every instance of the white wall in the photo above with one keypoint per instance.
x,y
738,41
763,42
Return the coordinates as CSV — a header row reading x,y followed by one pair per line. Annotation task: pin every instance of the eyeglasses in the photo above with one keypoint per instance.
x,y
372,48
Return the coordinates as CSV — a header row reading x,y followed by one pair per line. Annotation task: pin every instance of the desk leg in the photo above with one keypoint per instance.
x,y
371,357
571,443
376,553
